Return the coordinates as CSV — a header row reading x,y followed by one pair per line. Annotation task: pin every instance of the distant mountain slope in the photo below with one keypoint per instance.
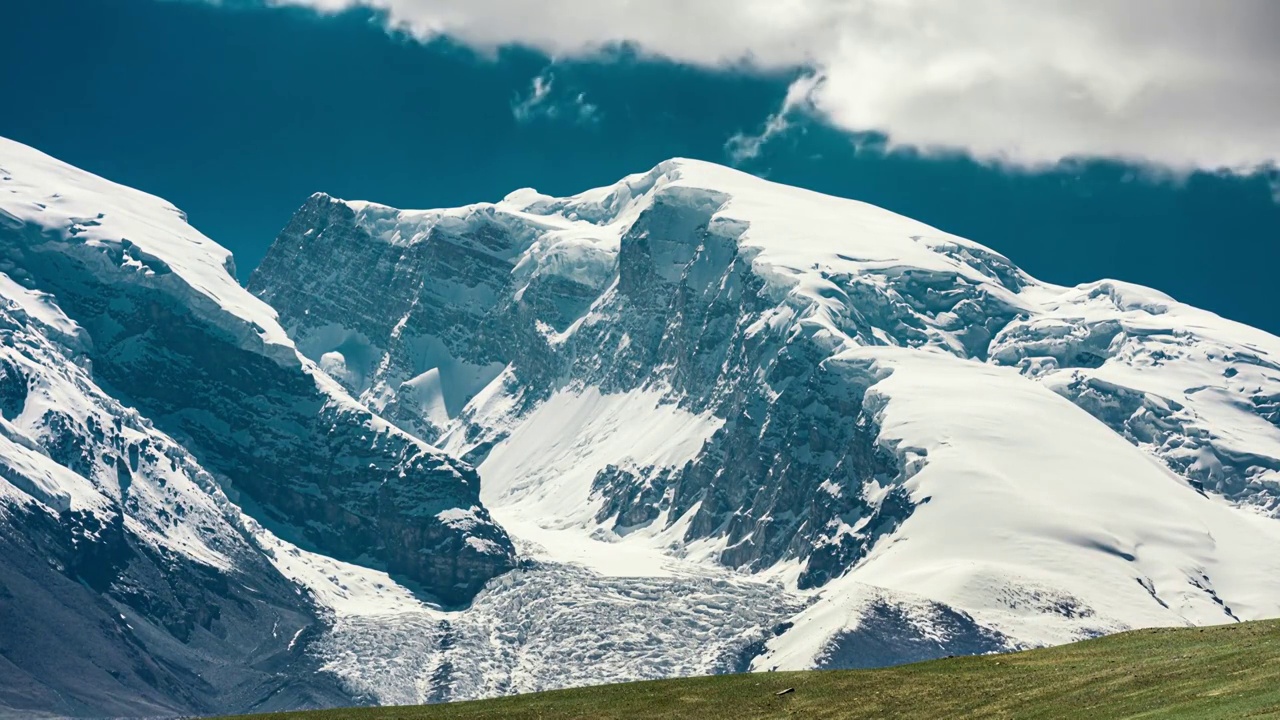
x,y
698,368
146,399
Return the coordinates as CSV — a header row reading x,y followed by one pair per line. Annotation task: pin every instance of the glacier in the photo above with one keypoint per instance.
x,y
691,422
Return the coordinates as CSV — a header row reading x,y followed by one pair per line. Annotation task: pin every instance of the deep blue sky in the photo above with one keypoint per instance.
x,y
237,115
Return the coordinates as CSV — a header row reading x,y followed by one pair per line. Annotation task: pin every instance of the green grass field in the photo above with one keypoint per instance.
x,y
1230,671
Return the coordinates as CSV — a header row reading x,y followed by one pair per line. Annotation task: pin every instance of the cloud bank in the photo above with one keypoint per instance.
x,y
1182,83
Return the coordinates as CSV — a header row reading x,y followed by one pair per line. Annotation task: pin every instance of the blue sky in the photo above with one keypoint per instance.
x,y
237,114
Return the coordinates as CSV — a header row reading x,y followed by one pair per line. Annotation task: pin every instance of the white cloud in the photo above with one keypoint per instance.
x,y
742,147
541,103
1184,83
535,102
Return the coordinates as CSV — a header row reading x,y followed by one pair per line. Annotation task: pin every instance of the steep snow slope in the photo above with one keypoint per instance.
x,y
147,400
695,368
1035,510
1198,391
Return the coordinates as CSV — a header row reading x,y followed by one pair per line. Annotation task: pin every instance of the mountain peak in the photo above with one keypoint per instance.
x,y
695,365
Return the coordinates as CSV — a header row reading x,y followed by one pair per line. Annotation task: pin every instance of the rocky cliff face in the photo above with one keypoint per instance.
x,y
255,413
149,402
129,583
424,310
649,284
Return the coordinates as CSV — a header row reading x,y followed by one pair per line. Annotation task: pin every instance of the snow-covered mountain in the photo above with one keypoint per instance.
x,y
149,402
716,423
695,370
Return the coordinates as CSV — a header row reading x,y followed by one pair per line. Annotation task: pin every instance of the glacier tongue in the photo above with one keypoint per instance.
x,y
550,626
698,368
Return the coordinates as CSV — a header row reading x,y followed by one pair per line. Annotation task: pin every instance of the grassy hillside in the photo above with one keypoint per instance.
x,y
1230,671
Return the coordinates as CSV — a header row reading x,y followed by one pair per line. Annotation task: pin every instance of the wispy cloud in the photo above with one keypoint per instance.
x,y
542,103
1185,83
743,147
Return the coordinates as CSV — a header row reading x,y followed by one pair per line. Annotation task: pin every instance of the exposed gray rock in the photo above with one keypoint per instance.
x,y
266,425
889,634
